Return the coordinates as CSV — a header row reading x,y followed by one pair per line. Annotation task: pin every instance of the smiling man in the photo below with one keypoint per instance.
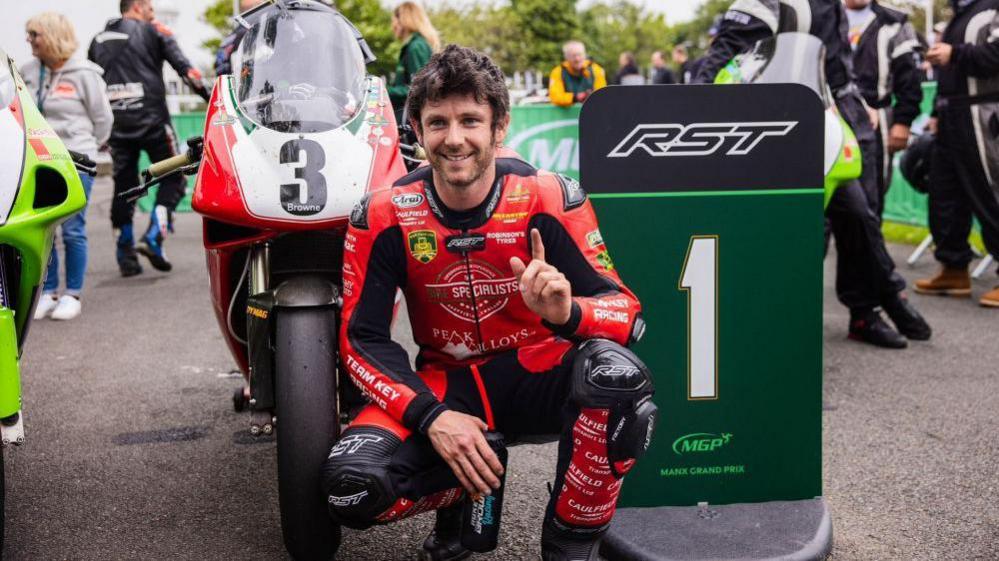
x,y
522,321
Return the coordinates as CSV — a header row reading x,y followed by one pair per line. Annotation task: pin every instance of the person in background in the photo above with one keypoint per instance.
x,y
661,74
964,173
420,40
682,61
70,94
223,57
132,50
628,73
576,78
884,62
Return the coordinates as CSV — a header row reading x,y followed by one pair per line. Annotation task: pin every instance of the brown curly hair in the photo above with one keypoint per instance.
x,y
459,70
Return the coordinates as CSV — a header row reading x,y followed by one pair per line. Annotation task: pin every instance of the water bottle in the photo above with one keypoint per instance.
x,y
480,516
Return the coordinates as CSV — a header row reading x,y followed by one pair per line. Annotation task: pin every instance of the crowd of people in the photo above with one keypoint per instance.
x,y
875,65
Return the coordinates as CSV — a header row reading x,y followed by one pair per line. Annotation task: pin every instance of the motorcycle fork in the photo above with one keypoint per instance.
x,y
260,352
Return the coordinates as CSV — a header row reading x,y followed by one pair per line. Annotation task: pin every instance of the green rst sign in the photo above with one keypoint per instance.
x,y
723,246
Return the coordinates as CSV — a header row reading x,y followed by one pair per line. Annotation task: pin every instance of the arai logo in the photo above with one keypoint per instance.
x,y
700,442
553,146
408,200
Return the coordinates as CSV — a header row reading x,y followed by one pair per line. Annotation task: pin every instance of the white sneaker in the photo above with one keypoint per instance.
x,y
46,303
68,308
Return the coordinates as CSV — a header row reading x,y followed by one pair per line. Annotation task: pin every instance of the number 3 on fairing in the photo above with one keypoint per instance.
x,y
699,280
309,172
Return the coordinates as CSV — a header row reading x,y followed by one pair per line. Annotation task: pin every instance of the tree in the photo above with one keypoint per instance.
x,y
491,29
544,25
610,29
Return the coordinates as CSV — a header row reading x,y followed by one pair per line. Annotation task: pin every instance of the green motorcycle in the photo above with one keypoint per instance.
x,y
797,58
39,188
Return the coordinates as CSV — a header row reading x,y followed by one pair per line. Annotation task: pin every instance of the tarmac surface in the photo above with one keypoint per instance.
x,y
134,452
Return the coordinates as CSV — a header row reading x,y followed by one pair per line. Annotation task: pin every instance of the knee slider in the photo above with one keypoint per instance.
x,y
609,376
355,477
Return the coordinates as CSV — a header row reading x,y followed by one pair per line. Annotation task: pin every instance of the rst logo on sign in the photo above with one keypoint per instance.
x,y
698,139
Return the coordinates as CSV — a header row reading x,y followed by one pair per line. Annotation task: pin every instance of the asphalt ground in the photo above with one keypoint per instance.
x,y
134,452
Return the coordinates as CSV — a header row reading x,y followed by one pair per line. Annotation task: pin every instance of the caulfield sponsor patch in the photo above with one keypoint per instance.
x,y
423,245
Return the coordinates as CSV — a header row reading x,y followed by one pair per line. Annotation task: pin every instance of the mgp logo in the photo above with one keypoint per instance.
x,y
698,139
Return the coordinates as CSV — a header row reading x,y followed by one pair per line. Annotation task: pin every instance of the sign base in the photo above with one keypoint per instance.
x,y
786,530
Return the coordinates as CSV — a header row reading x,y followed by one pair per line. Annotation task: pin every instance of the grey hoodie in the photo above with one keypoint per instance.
x,y
74,102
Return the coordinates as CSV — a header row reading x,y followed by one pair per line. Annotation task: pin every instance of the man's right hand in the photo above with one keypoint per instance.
x,y
581,97
458,439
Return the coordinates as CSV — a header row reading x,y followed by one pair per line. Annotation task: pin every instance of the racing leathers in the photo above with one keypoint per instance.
x,y
482,351
885,62
964,174
132,53
865,273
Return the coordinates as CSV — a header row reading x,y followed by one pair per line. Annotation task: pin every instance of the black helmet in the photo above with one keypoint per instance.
x,y
915,162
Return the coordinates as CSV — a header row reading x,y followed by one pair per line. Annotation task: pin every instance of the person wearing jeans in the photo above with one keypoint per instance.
x,y
71,95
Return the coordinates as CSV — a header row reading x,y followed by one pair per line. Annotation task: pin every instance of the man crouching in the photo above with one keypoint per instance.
x,y
522,322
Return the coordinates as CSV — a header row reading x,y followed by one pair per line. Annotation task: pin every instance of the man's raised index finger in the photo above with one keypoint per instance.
x,y
537,246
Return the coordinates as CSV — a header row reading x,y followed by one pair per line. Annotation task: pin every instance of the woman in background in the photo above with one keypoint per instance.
x,y
411,25
71,95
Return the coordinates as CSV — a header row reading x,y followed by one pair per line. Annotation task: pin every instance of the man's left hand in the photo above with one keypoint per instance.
x,y
898,137
939,54
546,291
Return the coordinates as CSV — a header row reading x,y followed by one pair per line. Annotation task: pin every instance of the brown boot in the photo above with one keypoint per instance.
x,y
991,298
949,282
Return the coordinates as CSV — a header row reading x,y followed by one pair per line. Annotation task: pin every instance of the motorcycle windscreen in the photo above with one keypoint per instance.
x,y
788,58
12,142
300,71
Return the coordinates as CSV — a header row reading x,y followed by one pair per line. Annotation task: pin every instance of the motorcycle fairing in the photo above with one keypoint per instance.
x,y
12,137
296,180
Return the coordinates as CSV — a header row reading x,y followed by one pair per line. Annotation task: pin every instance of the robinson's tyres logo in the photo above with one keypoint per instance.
x,y
700,442
698,139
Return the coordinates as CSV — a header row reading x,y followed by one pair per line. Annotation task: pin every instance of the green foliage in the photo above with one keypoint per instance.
x,y
490,29
217,15
694,33
544,25
375,23
610,29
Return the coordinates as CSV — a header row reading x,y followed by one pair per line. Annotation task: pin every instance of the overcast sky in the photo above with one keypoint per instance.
x,y
89,16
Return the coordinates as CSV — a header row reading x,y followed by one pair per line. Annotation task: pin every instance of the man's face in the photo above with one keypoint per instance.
x,y
458,137
657,60
144,10
575,56
856,4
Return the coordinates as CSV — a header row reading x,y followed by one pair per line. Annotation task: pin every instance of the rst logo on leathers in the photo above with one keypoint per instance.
x,y
701,138
698,139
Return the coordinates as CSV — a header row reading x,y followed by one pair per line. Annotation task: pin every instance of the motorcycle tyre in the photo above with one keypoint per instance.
x,y
305,387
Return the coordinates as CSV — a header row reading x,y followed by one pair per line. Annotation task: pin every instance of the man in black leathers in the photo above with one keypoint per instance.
x,y
964,174
884,61
131,50
865,274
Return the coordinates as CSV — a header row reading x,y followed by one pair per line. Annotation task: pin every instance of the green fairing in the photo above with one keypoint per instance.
x,y
30,231
848,163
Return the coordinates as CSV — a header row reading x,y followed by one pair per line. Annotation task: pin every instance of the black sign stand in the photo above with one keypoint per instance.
x,y
739,165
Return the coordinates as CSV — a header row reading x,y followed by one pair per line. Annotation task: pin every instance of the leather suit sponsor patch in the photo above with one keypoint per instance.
x,y
423,245
460,285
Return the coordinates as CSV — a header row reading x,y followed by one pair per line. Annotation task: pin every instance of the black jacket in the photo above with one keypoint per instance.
x,y
749,21
974,64
662,76
889,42
132,53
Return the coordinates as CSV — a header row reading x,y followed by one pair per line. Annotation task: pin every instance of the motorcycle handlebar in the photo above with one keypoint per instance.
x,y
170,164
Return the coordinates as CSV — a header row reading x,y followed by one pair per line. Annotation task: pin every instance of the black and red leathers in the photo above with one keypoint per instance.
x,y
482,351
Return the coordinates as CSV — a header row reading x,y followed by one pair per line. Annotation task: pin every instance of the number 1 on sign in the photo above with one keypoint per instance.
x,y
700,280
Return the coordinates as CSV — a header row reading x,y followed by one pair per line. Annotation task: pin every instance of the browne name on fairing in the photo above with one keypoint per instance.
x,y
698,139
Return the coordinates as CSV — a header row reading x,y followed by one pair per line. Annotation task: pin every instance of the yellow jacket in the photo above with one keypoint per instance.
x,y
563,84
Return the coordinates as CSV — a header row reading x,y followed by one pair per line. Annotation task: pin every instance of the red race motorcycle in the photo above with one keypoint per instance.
x,y
292,141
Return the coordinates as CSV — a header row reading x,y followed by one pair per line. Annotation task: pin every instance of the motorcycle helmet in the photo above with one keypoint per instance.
x,y
915,162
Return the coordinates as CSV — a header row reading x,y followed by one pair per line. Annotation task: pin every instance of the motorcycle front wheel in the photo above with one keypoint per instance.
x,y
307,426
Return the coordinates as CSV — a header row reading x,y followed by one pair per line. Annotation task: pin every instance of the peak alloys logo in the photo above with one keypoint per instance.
x,y
698,139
